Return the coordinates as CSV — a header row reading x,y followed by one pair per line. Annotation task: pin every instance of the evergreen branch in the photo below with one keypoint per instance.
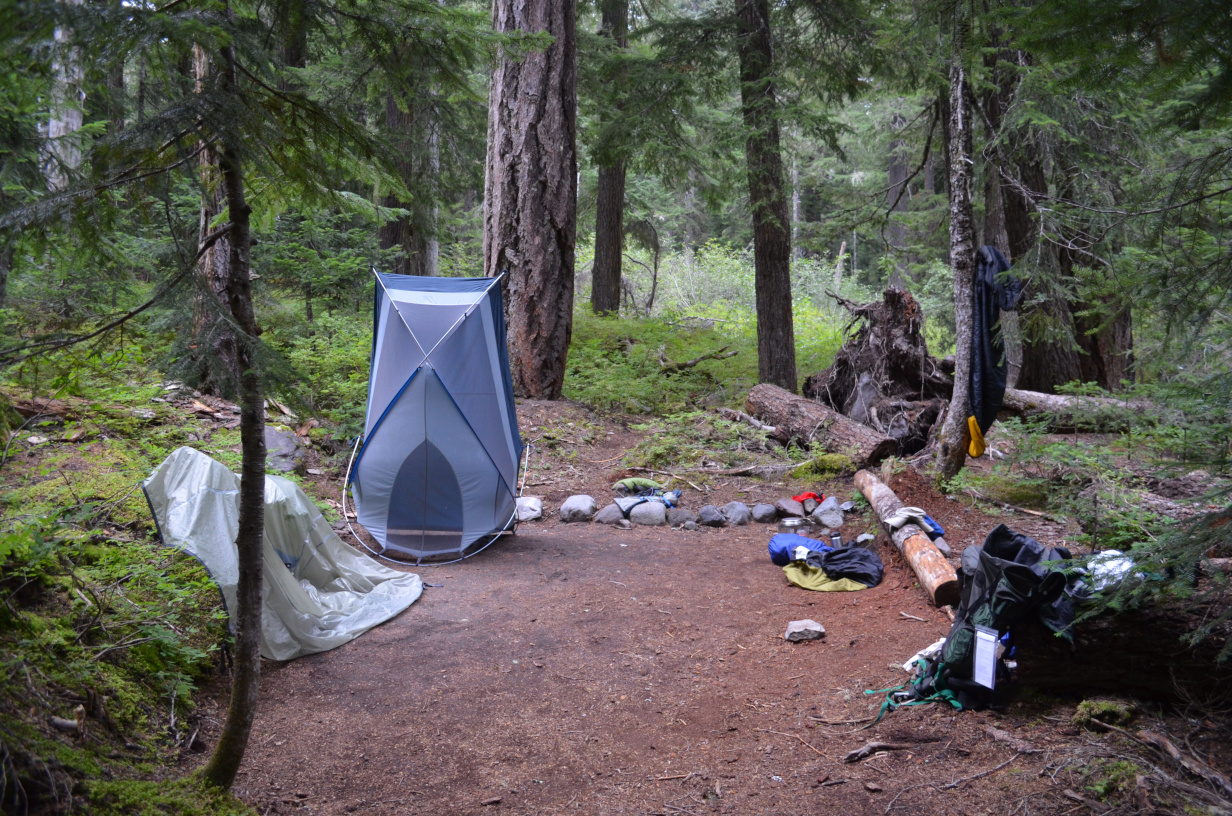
x,y
55,344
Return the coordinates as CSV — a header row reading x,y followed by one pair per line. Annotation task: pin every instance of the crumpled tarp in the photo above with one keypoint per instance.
x,y
317,592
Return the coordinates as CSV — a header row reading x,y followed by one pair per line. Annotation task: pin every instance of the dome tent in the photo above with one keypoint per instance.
x,y
437,470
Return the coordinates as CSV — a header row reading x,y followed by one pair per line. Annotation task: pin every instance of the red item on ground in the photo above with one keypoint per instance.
x,y
810,495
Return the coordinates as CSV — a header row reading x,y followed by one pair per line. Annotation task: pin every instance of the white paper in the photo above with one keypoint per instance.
x,y
985,657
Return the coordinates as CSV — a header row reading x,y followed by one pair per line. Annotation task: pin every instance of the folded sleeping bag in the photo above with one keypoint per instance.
x,y
783,547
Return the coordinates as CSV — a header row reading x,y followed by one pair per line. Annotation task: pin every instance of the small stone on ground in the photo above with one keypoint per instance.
x,y
806,629
736,513
612,514
690,525
789,507
678,516
765,513
577,508
710,516
649,514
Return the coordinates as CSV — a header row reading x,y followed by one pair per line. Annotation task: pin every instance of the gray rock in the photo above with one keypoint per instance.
x,y
737,513
804,630
828,518
624,524
765,514
847,506
577,508
612,514
678,516
827,513
649,514
283,453
943,545
710,516
809,506
690,525
865,538
789,507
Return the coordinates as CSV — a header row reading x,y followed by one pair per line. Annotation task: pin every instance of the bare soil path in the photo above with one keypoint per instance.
x,y
585,669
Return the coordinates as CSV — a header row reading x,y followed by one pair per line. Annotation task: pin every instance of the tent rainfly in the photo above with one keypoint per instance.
x,y
437,471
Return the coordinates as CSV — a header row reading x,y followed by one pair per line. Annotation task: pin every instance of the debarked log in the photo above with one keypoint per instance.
x,y
807,421
937,577
1142,653
1069,413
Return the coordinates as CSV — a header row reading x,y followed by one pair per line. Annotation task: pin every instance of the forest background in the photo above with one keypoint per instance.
x,y
1098,163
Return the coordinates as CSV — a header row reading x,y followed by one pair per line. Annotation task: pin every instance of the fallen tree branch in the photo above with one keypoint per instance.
x,y
867,750
669,367
740,416
793,736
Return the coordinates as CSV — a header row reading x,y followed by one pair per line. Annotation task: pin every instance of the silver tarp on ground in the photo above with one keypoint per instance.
x,y
317,592
438,468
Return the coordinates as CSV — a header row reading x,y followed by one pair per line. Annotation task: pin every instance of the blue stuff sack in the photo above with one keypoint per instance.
x,y
783,545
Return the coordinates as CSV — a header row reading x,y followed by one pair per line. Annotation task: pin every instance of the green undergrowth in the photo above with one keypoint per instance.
x,y
99,623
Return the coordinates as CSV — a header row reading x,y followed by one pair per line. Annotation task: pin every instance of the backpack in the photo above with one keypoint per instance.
x,y
1002,584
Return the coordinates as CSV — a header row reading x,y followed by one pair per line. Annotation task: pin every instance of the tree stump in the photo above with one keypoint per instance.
x,y
808,421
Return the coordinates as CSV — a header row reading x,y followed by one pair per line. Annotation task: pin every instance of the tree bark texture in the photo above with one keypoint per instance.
x,y
609,240
954,436
1066,413
65,114
897,198
610,201
215,355
530,195
937,578
224,763
807,421
407,233
776,343
1138,653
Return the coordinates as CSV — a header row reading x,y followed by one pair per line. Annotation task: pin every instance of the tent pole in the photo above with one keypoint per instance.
x,y
394,303
346,483
465,314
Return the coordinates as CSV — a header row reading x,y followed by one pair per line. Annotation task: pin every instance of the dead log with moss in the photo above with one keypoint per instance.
x,y
1140,653
805,421
1064,413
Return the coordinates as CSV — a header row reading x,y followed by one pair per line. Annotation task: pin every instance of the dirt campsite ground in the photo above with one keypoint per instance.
x,y
580,668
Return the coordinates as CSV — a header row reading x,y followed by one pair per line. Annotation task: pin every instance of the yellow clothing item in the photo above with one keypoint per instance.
x,y
976,448
815,578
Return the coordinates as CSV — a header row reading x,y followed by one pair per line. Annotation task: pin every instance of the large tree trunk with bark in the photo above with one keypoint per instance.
x,y
897,198
224,763
805,421
776,343
410,233
65,113
954,436
215,366
530,196
1139,653
610,202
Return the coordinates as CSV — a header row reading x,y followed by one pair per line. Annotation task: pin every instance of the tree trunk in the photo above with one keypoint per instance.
x,y
224,763
896,198
609,240
7,252
216,361
530,196
610,203
399,234
64,119
776,344
937,577
954,436
807,421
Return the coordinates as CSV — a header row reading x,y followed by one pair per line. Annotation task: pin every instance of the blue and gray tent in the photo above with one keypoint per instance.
x,y
437,470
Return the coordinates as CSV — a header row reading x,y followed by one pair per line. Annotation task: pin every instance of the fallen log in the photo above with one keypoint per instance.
x,y
1140,653
803,419
1070,413
937,577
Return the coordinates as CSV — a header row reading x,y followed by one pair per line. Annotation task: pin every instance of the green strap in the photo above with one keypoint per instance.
x,y
942,694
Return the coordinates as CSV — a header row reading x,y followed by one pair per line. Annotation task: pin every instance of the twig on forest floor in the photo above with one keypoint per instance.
x,y
793,736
